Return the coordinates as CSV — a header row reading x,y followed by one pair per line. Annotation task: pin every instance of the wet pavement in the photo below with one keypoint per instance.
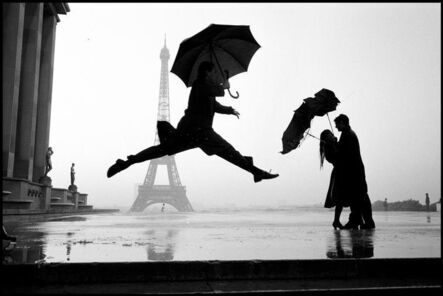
x,y
235,235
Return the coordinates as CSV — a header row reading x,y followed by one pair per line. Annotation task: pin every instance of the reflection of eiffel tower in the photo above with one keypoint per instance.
x,y
162,249
174,193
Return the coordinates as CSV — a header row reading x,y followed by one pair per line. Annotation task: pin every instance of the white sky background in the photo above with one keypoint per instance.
x,y
381,60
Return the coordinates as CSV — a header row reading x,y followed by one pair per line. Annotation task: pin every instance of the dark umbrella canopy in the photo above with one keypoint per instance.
x,y
324,101
229,47
294,133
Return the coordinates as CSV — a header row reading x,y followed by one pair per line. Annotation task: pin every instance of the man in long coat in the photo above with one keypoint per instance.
x,y
350,177
195,129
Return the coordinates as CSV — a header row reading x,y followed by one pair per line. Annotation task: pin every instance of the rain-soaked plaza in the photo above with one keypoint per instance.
x,y
221,235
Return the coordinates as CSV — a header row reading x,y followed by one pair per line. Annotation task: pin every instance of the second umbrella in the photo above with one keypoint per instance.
x,y
324,101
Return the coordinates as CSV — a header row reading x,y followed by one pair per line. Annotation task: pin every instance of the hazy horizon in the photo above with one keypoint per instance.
x,y
383,62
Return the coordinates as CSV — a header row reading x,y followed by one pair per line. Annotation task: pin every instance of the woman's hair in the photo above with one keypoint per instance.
x,y
203,68
323,141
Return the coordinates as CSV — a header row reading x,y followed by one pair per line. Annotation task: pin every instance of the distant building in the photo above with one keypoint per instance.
x,y
404,205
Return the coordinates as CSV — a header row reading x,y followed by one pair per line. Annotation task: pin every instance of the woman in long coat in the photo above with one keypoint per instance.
x,y
329,150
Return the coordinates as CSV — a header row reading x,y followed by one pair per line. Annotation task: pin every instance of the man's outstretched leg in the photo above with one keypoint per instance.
x,y
355,217
367,213
147,154
259,174
215,144
244,162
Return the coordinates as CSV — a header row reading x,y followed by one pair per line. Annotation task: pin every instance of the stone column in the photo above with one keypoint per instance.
x,y
44,96
27,114
13,22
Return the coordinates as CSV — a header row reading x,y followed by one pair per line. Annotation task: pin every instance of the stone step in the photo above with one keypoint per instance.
x,y
231,288
61,204
391,276
18,201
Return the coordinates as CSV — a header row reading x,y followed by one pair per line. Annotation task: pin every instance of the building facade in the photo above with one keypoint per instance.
x,y
29,31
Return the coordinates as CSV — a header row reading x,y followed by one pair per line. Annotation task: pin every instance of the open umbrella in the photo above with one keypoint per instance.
x,y
229,47
323,102
294,133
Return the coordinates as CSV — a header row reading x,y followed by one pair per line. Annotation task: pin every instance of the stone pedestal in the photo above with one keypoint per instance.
x,y
75,197
26,196
45,200
72,188
45,181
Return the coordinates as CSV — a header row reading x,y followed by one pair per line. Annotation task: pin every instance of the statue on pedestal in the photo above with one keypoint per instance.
x,y
45,180
48,166
72,187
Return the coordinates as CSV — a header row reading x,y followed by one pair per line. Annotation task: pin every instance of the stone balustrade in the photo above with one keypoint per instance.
x,y
21,196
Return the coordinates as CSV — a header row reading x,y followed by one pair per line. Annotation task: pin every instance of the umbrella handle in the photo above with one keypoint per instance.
x,y
235,97
332,130
232,96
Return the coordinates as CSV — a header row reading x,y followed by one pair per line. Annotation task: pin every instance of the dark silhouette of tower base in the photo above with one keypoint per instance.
x,y
173,194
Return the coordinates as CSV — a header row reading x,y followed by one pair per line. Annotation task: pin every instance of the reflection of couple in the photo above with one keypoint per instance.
x,y
353,244
347,186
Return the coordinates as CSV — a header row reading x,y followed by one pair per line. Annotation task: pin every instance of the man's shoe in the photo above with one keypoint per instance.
x,y
264,175
118,166
350,225
370,225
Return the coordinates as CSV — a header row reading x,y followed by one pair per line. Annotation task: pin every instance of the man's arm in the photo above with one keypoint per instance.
x,y
219,108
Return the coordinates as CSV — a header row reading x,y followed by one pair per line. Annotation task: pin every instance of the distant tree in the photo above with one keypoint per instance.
x,y
405,205
378,205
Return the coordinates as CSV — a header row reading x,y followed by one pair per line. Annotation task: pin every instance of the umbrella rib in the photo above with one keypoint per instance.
x,y
201,53
230,54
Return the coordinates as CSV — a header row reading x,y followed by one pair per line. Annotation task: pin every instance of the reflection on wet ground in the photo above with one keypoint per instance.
x,y
351,244
294,234
31,252
163,252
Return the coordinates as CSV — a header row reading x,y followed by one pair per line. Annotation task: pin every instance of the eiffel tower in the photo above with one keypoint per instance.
x,y
173,194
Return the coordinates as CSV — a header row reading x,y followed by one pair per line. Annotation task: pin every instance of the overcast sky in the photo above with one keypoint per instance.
x,y
382,61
